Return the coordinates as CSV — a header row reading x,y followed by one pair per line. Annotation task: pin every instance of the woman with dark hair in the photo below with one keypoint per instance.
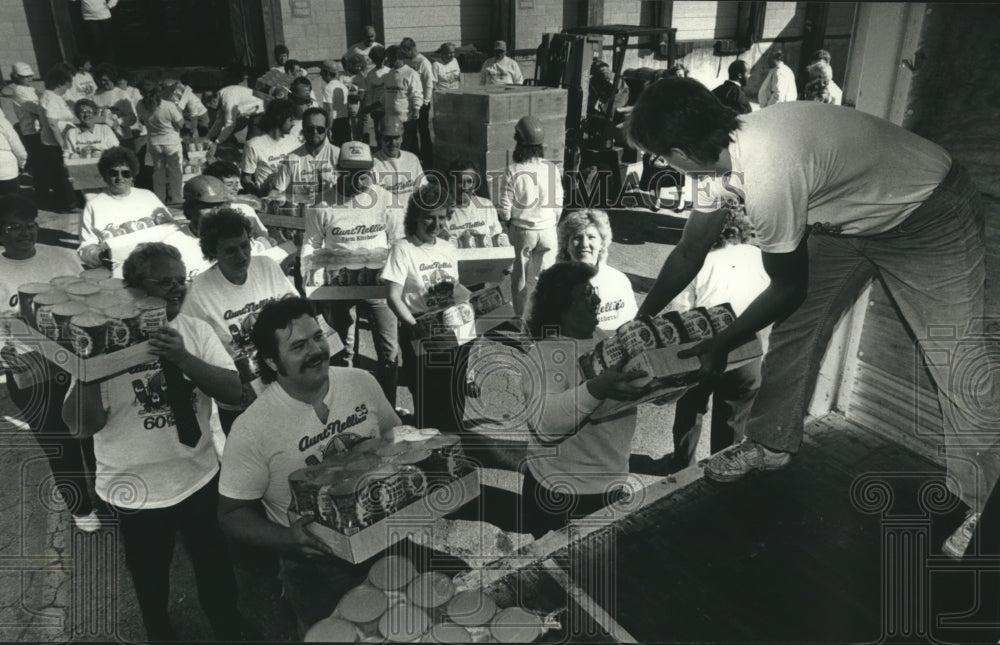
x,y
54,116
585,236
471,213
229,294
163,121
422,274
531,202
576,465
119,202
114,101
87,137
263,154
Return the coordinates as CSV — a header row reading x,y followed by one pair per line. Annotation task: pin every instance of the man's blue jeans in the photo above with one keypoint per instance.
x,y
932,265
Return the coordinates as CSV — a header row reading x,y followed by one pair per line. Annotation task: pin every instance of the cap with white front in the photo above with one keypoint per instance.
x,y
354,154
23,69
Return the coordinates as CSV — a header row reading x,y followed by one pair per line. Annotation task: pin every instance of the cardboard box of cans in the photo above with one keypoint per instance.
x,y
377,492
89,325
483,258
345,275
652,343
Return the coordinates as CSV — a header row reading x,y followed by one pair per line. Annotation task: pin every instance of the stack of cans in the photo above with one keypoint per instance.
x,y
362,268
646,333
91,313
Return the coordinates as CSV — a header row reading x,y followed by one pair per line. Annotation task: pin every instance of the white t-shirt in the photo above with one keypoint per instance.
x,y
232,309
617,298
448,76
119,99
278,435
26,108
55,116
503,72
422,66
404,93
263,154
375,86
97,9
420,268
733,274
839,170
399,176
335,95
47,263
592,456
12,152
532,196
105,210
100,138
141,464
478,217
299,175
84,85
356,224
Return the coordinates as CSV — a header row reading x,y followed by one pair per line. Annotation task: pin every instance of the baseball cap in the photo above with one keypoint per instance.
x,y
331,66
392,127
354,154
500,45
23,69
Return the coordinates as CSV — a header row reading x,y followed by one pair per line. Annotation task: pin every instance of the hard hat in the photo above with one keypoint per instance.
x,y
205,189
392,127
354,154
529,130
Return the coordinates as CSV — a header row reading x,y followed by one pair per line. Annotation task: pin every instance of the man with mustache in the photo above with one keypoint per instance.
x,y
309,409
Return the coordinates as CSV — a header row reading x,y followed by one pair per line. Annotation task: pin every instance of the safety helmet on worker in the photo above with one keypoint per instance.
x,y
392,127
529,131
205,190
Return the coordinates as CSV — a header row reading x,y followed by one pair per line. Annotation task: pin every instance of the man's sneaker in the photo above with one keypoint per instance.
x,y
958,542
742,459
87,523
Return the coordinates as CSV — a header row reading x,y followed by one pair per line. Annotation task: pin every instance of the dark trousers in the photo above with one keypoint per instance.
x,y
732,396
8,186
384,325
101,39
33,145
148,538
411,139
544,509
436,381
41,408
53,178
424,130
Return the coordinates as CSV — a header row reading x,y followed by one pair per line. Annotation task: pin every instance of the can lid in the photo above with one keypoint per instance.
x,y
403,623
151,302
121,310
392,572
96,274
110,284
431,589
363,604
35,287
516,625
331,630
83,289
69,308
89,319
471,608
51,297
447,633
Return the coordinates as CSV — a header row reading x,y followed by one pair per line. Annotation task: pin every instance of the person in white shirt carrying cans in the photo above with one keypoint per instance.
x,y
530,203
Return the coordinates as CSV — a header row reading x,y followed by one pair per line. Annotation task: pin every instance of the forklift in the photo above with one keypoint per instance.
x,y
597,157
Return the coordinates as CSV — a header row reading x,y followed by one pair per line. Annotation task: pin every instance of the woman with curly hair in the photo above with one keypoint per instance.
x,y
585,236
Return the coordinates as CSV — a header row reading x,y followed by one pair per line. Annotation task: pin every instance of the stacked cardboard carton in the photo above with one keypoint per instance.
x,y
478,123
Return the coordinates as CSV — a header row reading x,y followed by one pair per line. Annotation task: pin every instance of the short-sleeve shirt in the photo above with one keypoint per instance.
x,y
302,174
618,304
358,224
278,435
99,138
478,217
141,463
47,263
335,93
839,170
262,155
448,75
419,269
105,210
232,309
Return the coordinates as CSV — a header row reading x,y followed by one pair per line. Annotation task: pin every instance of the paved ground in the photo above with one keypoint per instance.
x,y
57,584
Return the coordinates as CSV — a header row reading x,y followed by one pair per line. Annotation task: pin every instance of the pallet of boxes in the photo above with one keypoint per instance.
x,y
651,344
478,124
376,492
89,325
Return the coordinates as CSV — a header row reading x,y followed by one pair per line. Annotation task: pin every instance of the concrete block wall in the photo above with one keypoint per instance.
x,y
432,22
315,29
531,22
26,38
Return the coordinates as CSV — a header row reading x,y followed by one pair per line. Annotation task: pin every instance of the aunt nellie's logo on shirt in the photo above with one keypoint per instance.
x,y
608,307
335,427
360,229
434,265
249,308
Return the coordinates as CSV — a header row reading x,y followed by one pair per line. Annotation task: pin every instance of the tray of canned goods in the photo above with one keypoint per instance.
x,y
89,325
651,344
378,491
338,274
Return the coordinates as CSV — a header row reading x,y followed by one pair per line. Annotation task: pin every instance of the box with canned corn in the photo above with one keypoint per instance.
x,y
330,274
353,494
90,325
651,344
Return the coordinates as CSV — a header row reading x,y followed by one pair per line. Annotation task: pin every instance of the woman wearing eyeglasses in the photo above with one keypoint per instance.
x,y
86,137
576,464
118,203
157,467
